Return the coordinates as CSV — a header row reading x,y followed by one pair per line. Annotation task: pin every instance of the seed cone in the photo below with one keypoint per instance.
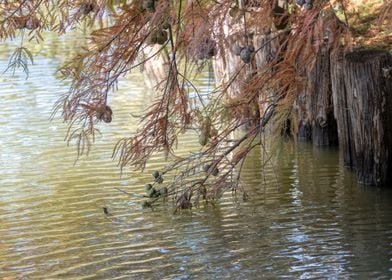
x,y
245,55
149,5
161,37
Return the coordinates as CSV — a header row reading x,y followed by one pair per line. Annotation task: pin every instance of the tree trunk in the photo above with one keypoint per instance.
x,y
314,105
228,65
341,109
324,132
368,86
303,127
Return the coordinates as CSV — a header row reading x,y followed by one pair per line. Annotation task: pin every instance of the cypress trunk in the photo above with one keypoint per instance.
x,y
366,103
324,128
314,105
341,109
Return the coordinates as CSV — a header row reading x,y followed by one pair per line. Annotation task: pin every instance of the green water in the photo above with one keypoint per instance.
x,y
306,217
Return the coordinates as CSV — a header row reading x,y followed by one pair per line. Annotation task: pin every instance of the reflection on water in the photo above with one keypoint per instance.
x,y
306,216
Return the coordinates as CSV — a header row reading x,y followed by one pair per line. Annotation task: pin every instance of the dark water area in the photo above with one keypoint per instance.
x,y
306,216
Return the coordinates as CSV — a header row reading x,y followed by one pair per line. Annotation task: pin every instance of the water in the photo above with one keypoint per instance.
x,y
306,216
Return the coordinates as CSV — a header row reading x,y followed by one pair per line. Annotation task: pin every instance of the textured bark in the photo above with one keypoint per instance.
x,y
314,106
228,65
270,44
302,125
369,98
341,109
324,131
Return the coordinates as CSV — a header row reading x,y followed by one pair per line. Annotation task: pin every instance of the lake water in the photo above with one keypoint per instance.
x,y
306,217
